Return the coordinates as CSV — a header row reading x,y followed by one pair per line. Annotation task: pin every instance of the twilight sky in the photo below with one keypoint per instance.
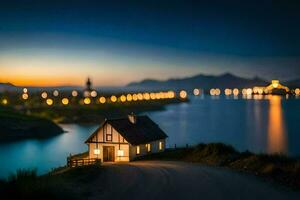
x,y
61,42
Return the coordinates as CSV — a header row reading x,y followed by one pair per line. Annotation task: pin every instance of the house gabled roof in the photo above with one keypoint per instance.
x,y
144,130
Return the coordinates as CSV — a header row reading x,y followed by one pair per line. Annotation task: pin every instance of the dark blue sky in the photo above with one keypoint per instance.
x,y
173,37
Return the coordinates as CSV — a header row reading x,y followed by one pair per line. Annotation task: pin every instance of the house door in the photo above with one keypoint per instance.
x,y
108,154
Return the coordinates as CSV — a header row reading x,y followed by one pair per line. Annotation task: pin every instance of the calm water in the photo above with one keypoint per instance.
x,y
270,125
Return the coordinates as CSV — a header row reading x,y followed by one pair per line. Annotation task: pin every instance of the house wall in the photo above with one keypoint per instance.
x,y
144,150
103,137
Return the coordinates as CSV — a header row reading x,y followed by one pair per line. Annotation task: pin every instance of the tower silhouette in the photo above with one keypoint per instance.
x,y
88,85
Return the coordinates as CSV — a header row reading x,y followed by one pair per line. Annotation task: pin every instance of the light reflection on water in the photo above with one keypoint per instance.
x,y
276,127
267,124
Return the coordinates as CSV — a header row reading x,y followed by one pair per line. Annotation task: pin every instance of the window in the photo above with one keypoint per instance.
x,y
108,137
120,152
160,146
138,151
96,151
148,147
109,134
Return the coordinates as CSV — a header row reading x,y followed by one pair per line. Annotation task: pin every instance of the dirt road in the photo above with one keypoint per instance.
x,y
178,180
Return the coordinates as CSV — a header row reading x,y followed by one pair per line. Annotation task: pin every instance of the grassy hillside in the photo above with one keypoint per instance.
x,y
15,126
72,184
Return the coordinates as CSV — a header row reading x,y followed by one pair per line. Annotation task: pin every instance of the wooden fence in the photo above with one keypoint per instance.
x,y
77,162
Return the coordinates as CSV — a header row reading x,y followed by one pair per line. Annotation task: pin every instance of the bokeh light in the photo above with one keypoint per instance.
x,y
134,97
228,91
4,101
129,97
74,93
140,96
113,98
65,101
93,93
152,96
55,93
183,94
86,100
102,100
49,102
25,96
146,96
171,94
196,92
297,91
123,98
44,95
218,91
236,92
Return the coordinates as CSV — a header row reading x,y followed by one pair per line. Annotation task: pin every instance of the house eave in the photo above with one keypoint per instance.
x,y
95,132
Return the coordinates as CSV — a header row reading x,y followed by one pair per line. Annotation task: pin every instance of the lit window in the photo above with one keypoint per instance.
x,y
120,152
109,137
138,150
149,147
96,151
160,145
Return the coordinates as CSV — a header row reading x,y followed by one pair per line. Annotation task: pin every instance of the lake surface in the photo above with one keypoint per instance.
x,y
268,125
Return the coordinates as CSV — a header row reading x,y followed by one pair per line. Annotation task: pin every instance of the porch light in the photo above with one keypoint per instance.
x,y
96,151
148,147
160,145
120,152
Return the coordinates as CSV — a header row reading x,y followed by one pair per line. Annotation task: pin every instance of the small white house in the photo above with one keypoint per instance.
x,y
125,139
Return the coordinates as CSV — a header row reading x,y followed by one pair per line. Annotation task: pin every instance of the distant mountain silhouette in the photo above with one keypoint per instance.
x,y
226,80
6,86
11,87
